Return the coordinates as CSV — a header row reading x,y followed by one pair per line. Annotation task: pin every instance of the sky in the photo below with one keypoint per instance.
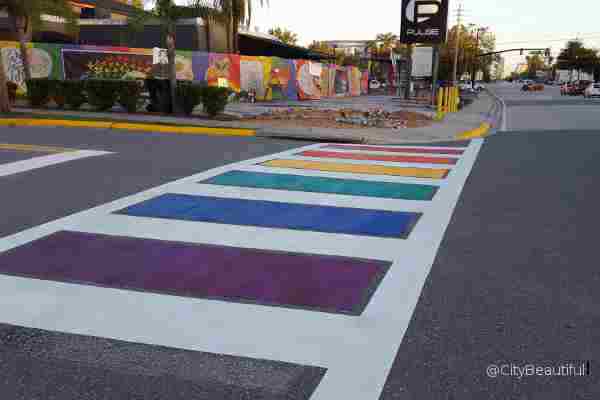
x,y
516,23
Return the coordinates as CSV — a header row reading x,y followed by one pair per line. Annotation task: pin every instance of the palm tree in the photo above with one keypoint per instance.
x,y
4,103
26,15
387,40
236,13
168,14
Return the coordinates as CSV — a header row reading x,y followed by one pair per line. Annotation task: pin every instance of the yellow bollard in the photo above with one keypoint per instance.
x,y
440,104
456,98
446,99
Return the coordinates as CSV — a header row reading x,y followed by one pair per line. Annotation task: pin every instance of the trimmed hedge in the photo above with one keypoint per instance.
x,y
129,95
57,93
38,91
102,94
214,99
74,93
189,95
11,88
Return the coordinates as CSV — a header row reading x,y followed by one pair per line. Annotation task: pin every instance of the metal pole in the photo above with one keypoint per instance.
x,y
435,72
456,44
409,72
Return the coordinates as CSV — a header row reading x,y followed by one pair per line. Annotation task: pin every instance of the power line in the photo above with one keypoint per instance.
x,y
551,40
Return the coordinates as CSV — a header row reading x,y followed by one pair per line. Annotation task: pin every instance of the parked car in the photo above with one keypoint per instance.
x,y
593,90
579,87
374,84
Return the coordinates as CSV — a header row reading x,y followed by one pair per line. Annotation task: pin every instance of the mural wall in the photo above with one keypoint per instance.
x,y
255,75
45,62
309,79
272,78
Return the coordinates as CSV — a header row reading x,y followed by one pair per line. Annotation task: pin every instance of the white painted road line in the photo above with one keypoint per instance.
x,y
299,197
357,350
44,161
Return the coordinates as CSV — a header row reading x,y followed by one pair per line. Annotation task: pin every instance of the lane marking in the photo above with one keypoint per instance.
x,y
301,183
433,150
270,214
307,281
377,157
45,161
34,148
359,168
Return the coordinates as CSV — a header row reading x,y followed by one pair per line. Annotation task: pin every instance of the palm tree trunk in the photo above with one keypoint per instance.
x,y
4,103
228,28
21,24
207,32
172,68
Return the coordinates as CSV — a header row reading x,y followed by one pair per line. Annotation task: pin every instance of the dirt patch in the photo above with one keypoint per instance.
x,y
341,119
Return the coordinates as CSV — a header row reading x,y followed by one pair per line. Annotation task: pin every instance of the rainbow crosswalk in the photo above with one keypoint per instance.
x,y
314,256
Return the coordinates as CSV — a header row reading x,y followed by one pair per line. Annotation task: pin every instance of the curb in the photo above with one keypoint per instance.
x,y
186,130
479,132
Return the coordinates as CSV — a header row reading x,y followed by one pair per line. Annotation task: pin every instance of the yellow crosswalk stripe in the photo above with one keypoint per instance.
x,y
431,173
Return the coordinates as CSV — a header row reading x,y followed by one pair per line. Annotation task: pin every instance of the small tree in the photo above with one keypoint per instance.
x,y
168,15
236,14
285,35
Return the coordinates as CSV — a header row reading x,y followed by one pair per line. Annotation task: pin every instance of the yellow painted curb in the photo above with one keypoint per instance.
x,y
33,148
432,173
479,132
188,130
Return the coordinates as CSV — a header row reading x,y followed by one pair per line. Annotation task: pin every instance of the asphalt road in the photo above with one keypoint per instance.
x,y
138,161
547,110
515,281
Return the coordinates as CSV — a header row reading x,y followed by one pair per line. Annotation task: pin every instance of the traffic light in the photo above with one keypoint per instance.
x,y
547,53
521,51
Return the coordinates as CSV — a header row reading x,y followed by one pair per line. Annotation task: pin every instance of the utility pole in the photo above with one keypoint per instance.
x,y
473,68
457,40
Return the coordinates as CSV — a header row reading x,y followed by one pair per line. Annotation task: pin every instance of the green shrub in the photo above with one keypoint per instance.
x,y
57,93
74,93
102,94
189,95
38,92
160,95
129,95
214,99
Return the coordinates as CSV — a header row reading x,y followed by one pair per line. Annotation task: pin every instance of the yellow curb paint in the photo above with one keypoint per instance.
x,y
431,173
33,148
193,130
54,122
479,132
189,130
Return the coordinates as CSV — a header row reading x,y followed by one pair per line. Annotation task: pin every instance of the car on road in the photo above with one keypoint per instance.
x,y
374,84
593,90
577,88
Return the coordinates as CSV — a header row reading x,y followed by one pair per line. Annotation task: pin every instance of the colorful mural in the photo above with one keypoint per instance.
x,y
255,74
341,87
83,62
309,83
354,79
283,79
271,77
364,83
44,59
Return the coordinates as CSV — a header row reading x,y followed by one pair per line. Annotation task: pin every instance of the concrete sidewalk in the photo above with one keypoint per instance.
x,y
450,128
